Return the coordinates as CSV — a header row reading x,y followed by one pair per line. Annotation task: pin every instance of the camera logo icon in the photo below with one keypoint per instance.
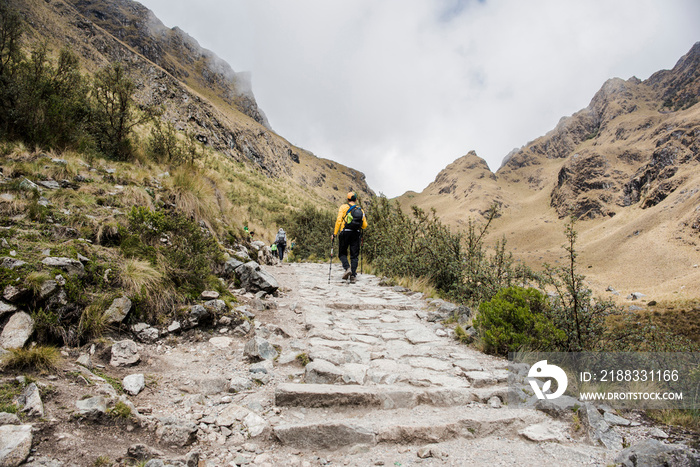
x,y
541,370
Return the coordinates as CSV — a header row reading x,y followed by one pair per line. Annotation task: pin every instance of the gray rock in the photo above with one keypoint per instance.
x,y
175,326
256,425
322,372
134,384
231,266
141,452
211,386
545,432
239,383
84,360
11,263
145,333
176,432
259,348
216,306
67,265
615,419
118,310
231,414
265,367
559,407
210,295
254,278
17,331
14,294
243,329
7,308
197,315
125,353
324,436
50,184
635,296
92,408
651,452
30,399
9,419
47,289
599,431
15,444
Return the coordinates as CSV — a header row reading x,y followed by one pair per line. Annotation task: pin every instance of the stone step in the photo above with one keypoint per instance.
x,y
403,426
382,397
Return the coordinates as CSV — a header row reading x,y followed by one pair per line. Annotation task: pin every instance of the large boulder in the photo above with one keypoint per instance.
x,y
254,278
15,444
69,266
17,331
125,353
176,432
654,452
118,310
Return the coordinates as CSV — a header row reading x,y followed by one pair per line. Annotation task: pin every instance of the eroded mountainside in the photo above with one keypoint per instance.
x,y
199,92
628,164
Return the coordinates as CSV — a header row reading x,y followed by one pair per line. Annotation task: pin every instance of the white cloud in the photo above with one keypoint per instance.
x,y
398,89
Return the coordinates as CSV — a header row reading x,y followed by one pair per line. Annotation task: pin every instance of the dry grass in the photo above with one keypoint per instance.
x,y
194,195
39,358
137,276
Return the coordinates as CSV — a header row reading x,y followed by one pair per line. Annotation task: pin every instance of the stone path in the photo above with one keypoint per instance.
x,y
382,384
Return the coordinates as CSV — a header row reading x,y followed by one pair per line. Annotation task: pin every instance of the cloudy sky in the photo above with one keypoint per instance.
x,y
398,89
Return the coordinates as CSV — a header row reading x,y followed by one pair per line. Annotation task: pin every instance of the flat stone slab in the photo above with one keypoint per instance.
x,y
405,426
384,397
324,436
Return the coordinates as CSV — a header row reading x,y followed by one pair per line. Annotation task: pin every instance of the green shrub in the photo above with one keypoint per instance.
x,y
311,229
516,319
175,244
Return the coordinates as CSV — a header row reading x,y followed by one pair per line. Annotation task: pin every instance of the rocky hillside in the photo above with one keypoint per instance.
x,y
628,164
199,92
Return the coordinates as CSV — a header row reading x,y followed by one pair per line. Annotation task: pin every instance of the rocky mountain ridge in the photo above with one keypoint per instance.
x,y
199,92
631,158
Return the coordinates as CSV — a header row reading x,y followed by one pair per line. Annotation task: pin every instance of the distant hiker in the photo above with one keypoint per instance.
x,y
273,247
281,242
348,227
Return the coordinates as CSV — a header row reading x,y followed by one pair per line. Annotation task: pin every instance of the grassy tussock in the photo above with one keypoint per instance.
x,y
194,195
35,280
138,276
39,358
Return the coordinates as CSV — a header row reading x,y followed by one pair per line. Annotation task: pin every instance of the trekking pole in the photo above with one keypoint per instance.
x,y
362,240
330,261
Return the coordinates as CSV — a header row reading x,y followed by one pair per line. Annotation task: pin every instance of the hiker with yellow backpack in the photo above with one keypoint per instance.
x,y
349,225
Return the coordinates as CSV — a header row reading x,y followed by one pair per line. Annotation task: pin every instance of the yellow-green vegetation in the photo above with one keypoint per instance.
x,y
8,392
42,359
689,419
114,382
303,358
120,410
102,461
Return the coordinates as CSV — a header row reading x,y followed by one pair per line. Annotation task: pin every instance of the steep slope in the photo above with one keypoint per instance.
x,y
199,92
628,165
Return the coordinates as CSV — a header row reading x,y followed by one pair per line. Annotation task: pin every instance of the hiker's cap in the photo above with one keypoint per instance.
x,y
352,196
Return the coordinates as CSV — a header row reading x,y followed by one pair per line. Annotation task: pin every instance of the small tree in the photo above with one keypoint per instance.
x,y
574,309
115,111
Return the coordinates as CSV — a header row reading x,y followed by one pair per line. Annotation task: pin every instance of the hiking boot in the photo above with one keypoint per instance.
x,y
353,277
347,273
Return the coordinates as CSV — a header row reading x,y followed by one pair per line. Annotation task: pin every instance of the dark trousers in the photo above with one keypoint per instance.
x,y
280,249
349,239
